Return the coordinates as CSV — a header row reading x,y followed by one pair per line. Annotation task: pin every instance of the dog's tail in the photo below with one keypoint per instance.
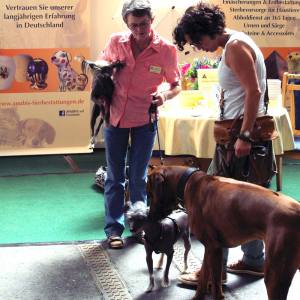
x,y
85,64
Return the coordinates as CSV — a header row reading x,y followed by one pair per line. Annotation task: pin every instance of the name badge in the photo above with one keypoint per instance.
x,y
155,69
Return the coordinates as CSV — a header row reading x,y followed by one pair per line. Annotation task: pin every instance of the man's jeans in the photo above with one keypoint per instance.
x,y
137,158
253,254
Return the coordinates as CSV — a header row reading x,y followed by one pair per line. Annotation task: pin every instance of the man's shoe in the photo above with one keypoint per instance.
x,y
241,268
192,278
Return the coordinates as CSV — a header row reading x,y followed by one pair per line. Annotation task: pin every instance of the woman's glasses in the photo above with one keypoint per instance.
x,y
142,25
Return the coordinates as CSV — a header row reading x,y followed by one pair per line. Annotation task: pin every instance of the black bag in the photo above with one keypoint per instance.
x,y
258,167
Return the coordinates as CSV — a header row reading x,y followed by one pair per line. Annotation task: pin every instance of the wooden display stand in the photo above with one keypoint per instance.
x,y
288,98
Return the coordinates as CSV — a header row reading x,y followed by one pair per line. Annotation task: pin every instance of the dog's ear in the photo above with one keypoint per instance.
x,y
158,184
22,125
69,56
156,188
48,132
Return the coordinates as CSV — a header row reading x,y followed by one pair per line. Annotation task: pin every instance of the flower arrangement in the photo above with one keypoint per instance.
x,y
189,71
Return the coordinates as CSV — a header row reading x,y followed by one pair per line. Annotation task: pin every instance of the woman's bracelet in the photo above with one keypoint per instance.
x,y
164,98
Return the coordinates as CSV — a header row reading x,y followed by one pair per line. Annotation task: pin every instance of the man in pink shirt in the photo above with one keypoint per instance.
x,y
149,60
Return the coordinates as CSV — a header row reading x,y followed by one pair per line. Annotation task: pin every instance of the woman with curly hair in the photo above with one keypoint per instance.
x,y
242,77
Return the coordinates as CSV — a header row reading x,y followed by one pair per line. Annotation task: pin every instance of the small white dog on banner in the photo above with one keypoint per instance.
x,y
69,79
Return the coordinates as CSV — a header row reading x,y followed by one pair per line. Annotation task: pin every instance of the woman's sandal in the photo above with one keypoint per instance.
x,y
192,278
189,278
115,242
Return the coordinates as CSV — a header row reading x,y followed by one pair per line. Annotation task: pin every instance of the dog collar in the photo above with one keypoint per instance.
x,y
182,182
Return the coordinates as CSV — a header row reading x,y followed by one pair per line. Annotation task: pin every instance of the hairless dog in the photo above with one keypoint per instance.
x,y
160,236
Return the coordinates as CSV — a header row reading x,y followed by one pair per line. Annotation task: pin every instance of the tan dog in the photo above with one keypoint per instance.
x,y
293,61
226,213
36,132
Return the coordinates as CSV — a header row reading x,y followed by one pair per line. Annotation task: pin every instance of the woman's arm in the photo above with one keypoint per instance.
x,y
240,58
161,97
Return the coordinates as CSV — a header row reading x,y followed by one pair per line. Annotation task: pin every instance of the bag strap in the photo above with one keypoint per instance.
x,y
222,104
266,99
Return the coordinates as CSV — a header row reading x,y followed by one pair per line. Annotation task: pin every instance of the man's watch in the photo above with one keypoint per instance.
x,y
245,136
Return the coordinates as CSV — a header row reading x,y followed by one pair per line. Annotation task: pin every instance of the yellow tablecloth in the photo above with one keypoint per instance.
x,y
181,133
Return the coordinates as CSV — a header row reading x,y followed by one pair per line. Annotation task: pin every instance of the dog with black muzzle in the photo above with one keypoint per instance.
x,y
160,236
102,92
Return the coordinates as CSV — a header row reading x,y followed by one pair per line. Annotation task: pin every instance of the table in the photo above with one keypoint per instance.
x,y
188,132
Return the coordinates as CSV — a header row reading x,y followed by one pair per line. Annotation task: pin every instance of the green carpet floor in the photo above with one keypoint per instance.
x,y
290,178
49,164
50,208
45,199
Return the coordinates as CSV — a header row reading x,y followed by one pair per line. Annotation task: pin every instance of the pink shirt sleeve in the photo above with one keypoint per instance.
x,y
172,73
109,52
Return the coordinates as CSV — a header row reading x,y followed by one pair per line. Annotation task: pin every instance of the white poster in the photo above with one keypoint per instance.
x,y
44,90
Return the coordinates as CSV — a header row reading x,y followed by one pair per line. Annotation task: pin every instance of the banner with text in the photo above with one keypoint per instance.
x,y
44,90
273,24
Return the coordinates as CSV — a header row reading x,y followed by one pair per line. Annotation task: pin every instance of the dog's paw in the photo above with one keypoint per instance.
x,y
165,282
185,270
199,297
150,287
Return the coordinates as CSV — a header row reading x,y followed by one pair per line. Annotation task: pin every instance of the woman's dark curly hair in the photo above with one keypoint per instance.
x,y
197,21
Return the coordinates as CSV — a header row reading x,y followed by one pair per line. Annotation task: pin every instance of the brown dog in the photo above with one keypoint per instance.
x,y
226,213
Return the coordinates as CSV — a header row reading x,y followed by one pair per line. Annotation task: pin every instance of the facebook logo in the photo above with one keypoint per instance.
x,y
62,113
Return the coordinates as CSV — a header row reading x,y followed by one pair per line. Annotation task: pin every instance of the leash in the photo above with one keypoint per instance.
x,y
153,121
